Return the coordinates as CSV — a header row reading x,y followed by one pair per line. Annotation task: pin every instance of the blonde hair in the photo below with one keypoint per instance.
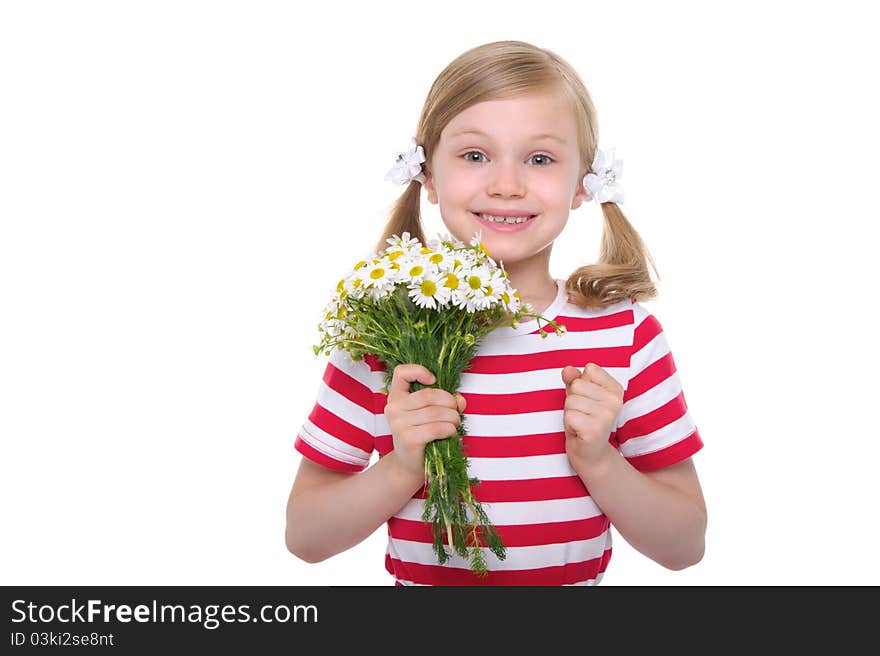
x,y
506,69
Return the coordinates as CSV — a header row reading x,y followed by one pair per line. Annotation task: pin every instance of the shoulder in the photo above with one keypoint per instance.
x,y
577,318
354,377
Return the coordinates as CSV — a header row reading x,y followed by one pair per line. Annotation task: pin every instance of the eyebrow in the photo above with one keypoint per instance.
x,y
537,136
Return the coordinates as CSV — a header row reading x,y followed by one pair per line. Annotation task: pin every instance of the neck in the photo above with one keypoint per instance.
x,y
539,291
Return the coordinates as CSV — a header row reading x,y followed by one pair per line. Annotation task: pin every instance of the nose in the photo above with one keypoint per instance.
x,y
507,179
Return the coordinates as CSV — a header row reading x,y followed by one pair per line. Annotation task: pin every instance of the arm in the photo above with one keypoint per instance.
x,y
330,511
661,513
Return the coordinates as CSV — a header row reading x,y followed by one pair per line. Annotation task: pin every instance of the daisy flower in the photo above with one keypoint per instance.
x,y
413,269
404,242
378,274
430,292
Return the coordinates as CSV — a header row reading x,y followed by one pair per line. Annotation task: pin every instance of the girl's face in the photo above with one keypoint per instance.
x,y
518,155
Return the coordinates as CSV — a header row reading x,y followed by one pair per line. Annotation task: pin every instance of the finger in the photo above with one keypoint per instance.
x,y
403,375
583,404
601,377
430,396
433,415
570,374
589,390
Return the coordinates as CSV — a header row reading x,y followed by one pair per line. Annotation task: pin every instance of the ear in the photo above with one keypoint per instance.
x,y
581,194
428,184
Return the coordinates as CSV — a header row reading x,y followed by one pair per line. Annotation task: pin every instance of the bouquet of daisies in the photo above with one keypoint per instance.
x,y
431,305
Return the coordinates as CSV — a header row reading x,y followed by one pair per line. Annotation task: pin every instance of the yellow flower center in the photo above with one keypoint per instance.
x,y
474,282
341,285
428,288
505,297
452,281
416,270
436,258
425,250
359,265
375,274
393,256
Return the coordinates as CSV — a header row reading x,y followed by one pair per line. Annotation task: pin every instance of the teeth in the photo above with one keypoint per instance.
x,y
505,219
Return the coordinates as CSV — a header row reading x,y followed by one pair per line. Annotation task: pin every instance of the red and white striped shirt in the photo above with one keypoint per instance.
x,y
553,531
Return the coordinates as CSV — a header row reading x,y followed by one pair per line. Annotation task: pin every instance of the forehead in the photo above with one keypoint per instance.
x,y
524,117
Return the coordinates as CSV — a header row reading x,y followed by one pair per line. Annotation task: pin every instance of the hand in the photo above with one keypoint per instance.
x,y
593,400
417,418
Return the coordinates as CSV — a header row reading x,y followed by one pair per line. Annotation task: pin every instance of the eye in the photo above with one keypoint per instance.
x,y
470,152
547,157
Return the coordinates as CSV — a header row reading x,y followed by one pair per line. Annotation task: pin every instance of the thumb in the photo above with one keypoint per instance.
x,y
404,374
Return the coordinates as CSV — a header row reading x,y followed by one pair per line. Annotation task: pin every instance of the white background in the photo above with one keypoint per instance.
x,y
182,184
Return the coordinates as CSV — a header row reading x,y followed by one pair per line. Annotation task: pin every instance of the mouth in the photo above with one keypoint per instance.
x,y
504,226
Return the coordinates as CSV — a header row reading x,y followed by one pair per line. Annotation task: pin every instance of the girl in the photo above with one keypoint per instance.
x,y
562,452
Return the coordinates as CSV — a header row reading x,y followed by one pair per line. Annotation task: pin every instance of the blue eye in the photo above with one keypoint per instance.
x,y
547,157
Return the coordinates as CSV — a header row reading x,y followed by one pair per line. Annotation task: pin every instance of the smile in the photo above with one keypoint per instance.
x,y
505,224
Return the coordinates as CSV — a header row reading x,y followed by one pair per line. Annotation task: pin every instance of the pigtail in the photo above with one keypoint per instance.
x,y
405,216
622,269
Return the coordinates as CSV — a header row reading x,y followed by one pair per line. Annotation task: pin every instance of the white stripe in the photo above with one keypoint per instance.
x,y
527,381
528,423
649,400
649,354
528,344
534,557
342,407
331,446
359,370
505,513
520,468
660,439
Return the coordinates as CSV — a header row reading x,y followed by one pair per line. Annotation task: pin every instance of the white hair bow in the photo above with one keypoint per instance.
x,y
604,182
408,166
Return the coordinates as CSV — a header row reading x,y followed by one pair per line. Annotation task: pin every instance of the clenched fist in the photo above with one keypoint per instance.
x,y
416,418
593,399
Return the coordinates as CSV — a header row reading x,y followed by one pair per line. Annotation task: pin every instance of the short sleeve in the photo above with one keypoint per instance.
x,y
654,427
340,431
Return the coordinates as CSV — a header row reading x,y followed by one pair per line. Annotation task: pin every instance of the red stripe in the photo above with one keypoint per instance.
x,y
612,356
445,575
587,324
512,535
670,455
349,387
341,429
539,444
656,419
375,363
647,330
511,404
322,459
652,375
530,489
